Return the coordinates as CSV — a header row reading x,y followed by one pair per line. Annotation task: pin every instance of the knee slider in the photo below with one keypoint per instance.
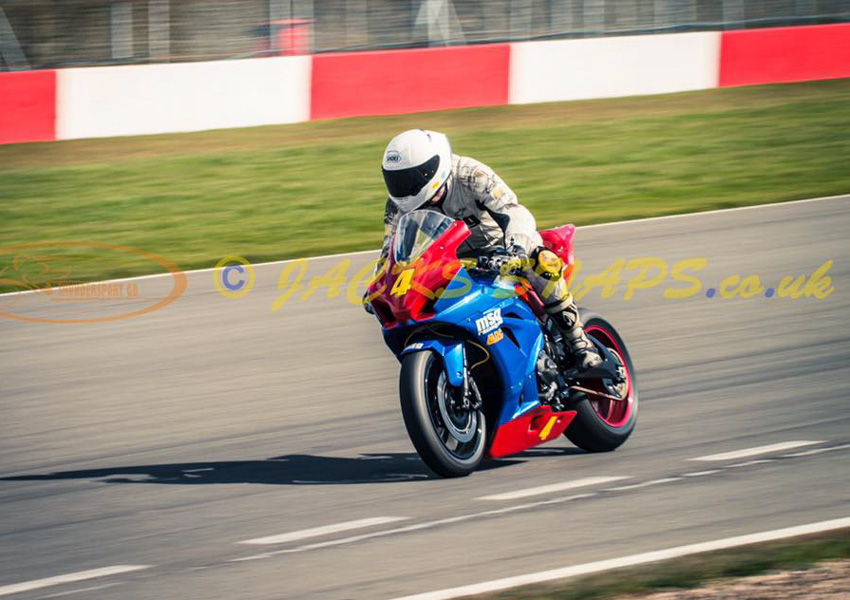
x,y
548,264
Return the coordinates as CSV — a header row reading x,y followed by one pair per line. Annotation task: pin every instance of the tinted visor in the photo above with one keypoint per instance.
x,y
409,182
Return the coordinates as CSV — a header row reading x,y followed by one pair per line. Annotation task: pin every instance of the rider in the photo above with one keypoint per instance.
x,y
420,171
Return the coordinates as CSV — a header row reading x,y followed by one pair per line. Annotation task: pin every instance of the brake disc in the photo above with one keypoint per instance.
x,y
463,433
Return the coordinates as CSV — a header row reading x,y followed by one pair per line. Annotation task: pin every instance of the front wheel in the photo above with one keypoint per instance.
x,y
450,439
601,425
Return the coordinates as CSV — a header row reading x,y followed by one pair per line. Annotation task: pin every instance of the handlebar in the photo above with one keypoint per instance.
x,y
491,263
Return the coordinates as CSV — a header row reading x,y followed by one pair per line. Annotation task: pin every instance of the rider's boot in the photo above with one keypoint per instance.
x,y
567,320
548,280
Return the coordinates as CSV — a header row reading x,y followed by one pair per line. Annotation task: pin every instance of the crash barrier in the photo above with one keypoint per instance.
x,y
148,99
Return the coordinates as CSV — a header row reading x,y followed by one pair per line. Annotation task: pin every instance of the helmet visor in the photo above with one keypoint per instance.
x,y
409,182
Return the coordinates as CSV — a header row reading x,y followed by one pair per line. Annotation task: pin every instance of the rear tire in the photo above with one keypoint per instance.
x,y
420,386
604,425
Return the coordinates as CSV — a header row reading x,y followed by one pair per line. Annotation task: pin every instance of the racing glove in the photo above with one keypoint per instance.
x,y
516,261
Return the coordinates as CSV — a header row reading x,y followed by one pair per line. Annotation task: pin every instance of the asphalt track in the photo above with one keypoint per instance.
x,y
166,440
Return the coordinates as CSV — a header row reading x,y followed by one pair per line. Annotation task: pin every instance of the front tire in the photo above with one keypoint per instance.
x,y
449,440
603,425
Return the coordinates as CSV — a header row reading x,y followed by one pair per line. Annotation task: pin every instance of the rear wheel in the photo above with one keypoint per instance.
x,y
449,438
601,425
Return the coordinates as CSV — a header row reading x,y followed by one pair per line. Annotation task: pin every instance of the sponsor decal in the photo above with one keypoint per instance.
x,y
495,336
490,321
393,157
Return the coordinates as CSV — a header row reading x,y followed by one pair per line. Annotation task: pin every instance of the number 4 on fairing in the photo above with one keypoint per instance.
x,y
402,284
484,372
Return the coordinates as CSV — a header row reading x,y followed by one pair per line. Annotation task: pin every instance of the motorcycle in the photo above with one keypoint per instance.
x,y
484,370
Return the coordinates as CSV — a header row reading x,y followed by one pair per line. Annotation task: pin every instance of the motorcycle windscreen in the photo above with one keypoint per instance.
x,y
417,231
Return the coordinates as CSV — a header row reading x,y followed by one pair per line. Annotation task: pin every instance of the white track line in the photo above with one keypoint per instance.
x,y
319,531
702,473
547,489
417,527
73,592
718,210
629,561
637,486
583,227
747,452
36,584
750,463
815,451
489,513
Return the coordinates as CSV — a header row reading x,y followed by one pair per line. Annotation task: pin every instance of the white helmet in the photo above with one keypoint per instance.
x,y
416,164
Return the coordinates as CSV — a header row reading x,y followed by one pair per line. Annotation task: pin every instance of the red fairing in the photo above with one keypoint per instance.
x,y
432,272
539,425
560,241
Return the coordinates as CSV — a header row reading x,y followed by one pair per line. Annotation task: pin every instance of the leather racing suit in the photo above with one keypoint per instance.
x,y
496,219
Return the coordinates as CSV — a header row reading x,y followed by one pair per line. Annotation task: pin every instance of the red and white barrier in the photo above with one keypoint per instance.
x,y
607,67
148,99
406,81
136,100
27,106
785,54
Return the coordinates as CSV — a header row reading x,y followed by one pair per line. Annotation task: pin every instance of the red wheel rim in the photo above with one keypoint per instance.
x,y
613,413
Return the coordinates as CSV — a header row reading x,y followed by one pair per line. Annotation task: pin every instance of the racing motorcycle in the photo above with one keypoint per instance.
x,y
484,371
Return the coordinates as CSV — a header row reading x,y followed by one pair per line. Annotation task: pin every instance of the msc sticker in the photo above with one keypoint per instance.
x,y
490,321
494,337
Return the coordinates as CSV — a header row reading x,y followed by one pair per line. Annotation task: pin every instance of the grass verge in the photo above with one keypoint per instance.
x,y
300,190
692,571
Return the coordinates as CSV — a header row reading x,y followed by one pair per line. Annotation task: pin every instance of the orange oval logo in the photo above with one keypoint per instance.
x,y
40,286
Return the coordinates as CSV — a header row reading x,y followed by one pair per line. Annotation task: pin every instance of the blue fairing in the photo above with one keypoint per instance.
x,y
481,307
450,350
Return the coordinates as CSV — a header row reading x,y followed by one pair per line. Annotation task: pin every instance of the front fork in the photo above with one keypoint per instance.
x,y
453,354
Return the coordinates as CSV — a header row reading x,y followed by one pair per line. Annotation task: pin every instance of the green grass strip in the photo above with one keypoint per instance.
x,y
315,188
692,571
